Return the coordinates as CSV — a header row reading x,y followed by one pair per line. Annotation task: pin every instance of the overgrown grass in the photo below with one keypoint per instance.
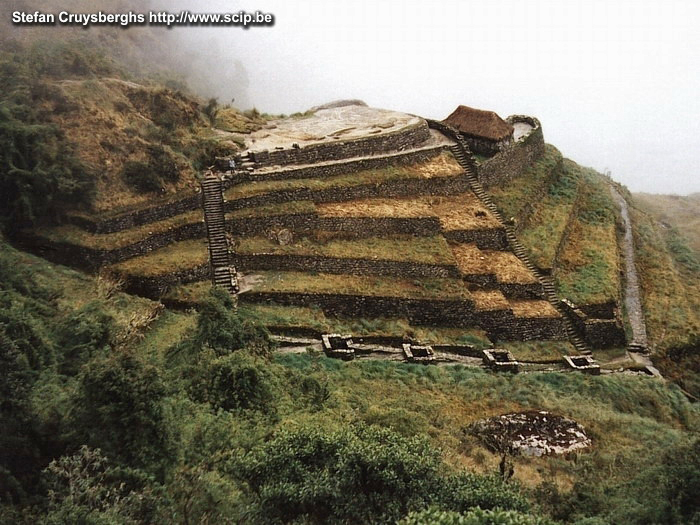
x,y
588,269
514,196
671,299
543,232
429,250
296,282
441,166
174,257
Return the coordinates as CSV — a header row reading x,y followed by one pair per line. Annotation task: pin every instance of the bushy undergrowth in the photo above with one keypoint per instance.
x,y
212,427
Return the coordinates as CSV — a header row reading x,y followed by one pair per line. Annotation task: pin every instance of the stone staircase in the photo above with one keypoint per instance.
x,y
461,152
222,273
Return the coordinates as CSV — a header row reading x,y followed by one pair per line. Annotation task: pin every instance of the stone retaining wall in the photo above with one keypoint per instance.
x,y
515,157
367,226
396,188
91,259
343,168
138,217
485,239
408,138
156,286
458,313
336,265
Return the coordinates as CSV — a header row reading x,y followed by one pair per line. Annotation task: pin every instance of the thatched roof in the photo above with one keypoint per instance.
x,y
479,123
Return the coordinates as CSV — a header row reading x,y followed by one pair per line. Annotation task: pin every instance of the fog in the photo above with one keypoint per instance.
x,y
615,83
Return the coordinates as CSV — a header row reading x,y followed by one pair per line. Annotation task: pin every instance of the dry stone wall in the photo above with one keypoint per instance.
x,y
407,138
333,169
515,157
396,188
336,265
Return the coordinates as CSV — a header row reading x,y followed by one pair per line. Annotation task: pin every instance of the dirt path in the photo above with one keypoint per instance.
x,y
633,300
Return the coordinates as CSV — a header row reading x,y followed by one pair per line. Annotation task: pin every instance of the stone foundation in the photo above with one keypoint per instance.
x,y
515,157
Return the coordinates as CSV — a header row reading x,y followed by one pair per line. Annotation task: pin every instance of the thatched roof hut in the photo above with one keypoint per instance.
x,y
480,124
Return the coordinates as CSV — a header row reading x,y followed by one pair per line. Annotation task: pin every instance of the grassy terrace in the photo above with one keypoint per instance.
x,y
539,350
110,241
489,300
504,265
397,208
462,212
536,308
459,212
299,317
443,165
430,250
512,199
544,230
588,269
297,282
271,210
176,256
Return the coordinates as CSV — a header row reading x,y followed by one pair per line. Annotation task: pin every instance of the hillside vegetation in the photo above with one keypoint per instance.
x,y
79,132
116,411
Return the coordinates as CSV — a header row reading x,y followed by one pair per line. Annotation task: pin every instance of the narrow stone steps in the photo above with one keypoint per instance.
x,y
463,156
222,274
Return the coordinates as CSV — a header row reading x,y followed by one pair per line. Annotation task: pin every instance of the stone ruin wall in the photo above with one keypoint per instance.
x,y
501,325
407,138
515,157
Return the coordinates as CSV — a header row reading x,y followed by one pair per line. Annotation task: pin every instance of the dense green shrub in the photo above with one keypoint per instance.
x,y
118,408
141,176
237,382
82,334
475,517
359,475
39,174
220,328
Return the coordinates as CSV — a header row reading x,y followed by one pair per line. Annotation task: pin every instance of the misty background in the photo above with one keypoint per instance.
x,y
615,83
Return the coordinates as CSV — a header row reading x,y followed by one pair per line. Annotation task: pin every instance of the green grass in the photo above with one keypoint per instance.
x,y
429,250
111,241
625,416
513,197
543,231
588,268
670,297
71,290
296,282
283,208
177,256
538,350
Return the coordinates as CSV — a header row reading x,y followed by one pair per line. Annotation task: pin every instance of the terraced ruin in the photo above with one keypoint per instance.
x,y
349,216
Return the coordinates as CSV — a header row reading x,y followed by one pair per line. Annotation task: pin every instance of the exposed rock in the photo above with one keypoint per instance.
x,y
531,433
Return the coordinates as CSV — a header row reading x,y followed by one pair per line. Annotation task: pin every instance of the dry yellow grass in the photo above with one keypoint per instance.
x,y
529,308
508,268
487,300
504,265
400,208
462,212
470,260
106,136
